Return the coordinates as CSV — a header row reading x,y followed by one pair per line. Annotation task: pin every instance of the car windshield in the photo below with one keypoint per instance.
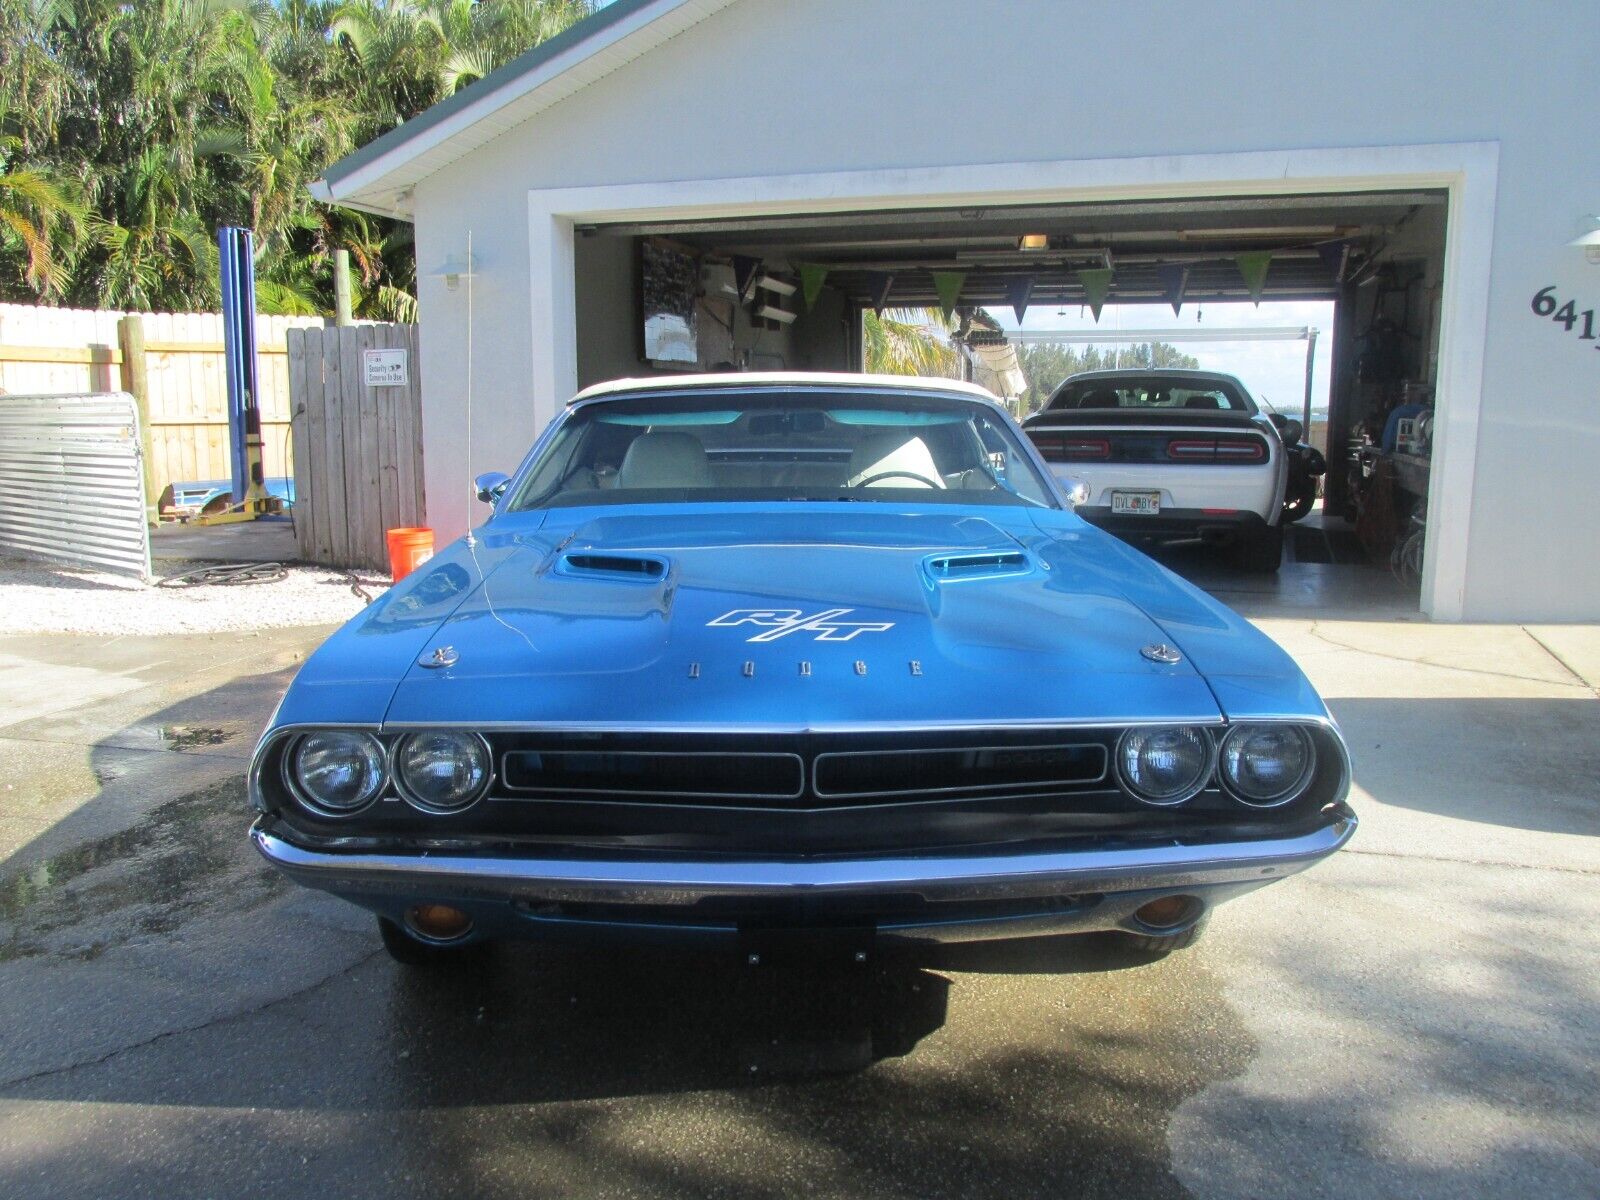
x,y
733,445
1204,394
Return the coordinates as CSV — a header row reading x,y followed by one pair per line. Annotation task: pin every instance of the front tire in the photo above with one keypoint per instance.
x,y
412,952
1260,552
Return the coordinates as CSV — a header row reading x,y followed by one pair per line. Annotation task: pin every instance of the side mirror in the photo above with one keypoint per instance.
x,y
1077,491
491,486
1291,431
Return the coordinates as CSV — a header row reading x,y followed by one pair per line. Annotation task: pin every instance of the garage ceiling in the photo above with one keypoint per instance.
x,y
1134,238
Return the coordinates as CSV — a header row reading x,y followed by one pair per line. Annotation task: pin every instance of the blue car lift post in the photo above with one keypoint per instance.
x,y
250,497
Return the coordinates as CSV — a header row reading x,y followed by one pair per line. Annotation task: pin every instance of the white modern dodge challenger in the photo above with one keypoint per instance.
x,y
1168,454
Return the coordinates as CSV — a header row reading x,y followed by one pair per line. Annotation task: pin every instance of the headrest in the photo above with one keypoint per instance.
x,y
664,460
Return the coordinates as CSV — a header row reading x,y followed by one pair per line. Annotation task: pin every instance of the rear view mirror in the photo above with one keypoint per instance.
x,y
1077,491
1290,431
491,486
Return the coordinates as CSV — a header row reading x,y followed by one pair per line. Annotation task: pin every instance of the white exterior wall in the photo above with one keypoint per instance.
x,y
778,87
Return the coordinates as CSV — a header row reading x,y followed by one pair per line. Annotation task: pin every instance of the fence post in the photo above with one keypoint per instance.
x,y
130,340
341,288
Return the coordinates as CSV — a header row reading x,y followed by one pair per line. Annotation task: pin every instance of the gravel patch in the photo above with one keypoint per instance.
x,y
36,598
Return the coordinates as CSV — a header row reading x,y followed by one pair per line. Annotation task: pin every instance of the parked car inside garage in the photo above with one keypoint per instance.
x,y
1171,454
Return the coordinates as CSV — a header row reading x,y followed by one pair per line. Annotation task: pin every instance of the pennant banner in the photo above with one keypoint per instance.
x,y
879,284
948,284
1096,283
744,275
1253,266
811,278
1019,293
1174,278
1334,255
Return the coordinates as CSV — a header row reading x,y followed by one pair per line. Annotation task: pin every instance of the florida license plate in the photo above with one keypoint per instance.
x,y
1142,504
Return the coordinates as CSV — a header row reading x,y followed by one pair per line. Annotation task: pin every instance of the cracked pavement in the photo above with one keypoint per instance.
x,y
1418,1016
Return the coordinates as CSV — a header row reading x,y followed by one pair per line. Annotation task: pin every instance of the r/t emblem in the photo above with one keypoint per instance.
x,y
775,623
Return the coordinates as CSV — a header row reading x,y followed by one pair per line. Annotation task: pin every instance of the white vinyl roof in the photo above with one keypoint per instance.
x,y
831,379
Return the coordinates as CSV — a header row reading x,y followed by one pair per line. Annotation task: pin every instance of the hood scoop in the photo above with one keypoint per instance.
x,y
981,564
627,568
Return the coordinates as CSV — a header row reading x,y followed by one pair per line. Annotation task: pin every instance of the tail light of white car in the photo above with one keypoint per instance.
x,y
1221,449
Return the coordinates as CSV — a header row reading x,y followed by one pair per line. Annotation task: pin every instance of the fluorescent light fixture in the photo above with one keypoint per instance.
x,y
767,312
1034,241
1261,231
771,283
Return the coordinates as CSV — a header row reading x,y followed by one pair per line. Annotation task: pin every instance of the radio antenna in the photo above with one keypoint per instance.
x,y
472,491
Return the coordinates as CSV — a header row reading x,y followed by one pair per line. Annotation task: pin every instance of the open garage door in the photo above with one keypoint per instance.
x,y
790,292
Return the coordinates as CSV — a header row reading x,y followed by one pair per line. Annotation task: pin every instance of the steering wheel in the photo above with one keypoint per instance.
x,y
922,479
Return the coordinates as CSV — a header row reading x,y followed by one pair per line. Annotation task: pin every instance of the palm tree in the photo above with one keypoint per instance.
x,y
908,341
131,129
41,221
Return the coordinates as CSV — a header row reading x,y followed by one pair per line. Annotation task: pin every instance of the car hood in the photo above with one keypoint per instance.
x,y
761,621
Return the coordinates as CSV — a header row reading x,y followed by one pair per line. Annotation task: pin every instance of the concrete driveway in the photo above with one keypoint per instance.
x,y
1419,1016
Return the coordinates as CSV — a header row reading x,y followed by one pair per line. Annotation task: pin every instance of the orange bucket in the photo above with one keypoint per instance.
x,y
408,550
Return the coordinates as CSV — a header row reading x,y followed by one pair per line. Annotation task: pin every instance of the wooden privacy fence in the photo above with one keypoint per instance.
x,y
358,448
68,350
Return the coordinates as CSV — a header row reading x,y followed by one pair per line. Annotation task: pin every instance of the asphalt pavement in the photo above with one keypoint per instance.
x,y
1419,1016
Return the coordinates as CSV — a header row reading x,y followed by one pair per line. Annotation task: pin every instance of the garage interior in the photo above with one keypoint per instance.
x,y
733,295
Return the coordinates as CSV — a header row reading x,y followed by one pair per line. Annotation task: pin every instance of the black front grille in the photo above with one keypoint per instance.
x,y
956,770
841,794
665,773
802,771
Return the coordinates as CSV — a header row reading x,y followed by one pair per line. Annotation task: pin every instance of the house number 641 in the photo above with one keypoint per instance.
x,y
1545,304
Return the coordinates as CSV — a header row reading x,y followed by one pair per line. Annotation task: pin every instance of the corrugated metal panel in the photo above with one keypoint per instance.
x,y
71,483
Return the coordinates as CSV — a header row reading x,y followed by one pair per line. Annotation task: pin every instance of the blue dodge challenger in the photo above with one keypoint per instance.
x,y
741,656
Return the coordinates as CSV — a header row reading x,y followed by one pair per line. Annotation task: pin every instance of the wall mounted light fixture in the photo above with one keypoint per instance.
x,y
1589,239
454,267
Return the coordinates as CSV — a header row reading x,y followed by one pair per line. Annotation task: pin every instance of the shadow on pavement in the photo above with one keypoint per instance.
x,y
195,1025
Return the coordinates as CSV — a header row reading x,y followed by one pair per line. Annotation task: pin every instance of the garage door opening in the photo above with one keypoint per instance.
x,y
799,292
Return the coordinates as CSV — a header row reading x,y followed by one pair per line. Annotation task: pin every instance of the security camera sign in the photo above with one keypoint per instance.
x,y
384,368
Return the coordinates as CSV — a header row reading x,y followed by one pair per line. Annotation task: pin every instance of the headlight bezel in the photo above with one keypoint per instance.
x,y
307,799
405,790
1203,778
1289,795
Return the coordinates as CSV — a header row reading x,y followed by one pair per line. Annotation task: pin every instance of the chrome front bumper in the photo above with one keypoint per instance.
x,y
950,885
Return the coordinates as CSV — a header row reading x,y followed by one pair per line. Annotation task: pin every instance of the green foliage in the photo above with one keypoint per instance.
x,y
1046,364
131,129
908,341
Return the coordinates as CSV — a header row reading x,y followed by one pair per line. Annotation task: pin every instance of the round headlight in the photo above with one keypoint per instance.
x,y
1164,764
441,770
1264,765
338,771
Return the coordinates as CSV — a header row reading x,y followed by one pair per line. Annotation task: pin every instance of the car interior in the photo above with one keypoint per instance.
x,y
805,451
1210,399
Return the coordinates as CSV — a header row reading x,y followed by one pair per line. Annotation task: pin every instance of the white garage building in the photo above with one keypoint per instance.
x,y
1426,166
